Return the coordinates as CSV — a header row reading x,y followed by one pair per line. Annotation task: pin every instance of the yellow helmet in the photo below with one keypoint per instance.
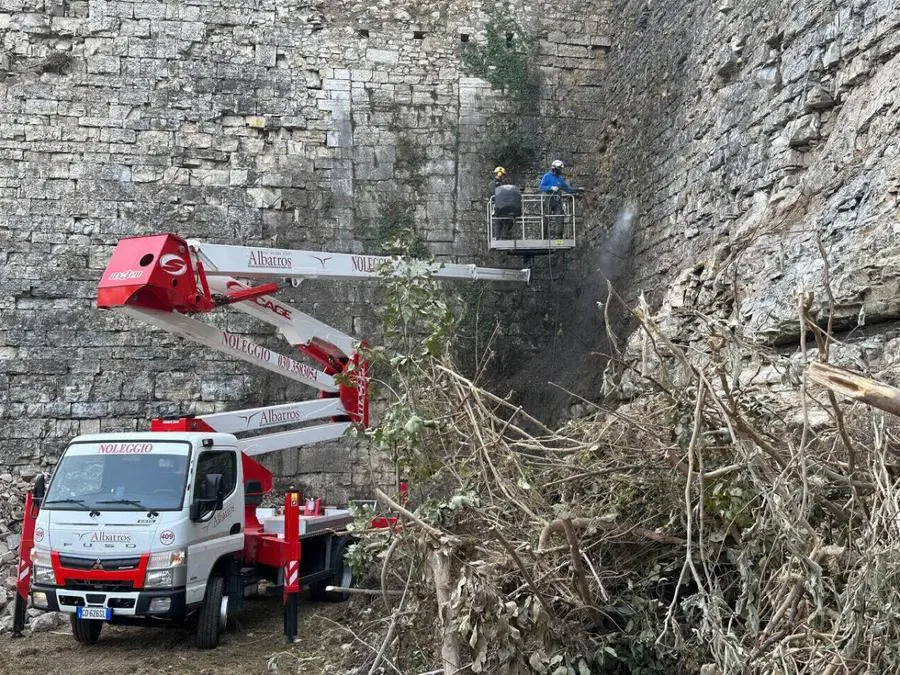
x,y
499,172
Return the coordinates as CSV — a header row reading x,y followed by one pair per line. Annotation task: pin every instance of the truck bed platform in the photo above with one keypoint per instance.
x,y
334,520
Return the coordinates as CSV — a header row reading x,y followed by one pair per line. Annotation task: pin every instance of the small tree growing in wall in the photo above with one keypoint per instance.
x,y
505,59
396,223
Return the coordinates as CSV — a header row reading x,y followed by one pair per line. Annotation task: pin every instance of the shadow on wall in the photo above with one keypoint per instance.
x,y
574,361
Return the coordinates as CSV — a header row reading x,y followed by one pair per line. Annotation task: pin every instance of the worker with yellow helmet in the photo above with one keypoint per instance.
x,y
498,179
507,203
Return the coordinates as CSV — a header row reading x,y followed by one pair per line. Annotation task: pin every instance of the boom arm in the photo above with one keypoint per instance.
x,y
265,263
165,280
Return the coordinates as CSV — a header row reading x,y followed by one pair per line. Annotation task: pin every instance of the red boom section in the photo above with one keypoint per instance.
x,y
179,424
353,390
155,272
159,272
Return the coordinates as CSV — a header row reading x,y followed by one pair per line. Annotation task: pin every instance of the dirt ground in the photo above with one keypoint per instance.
x,y
245,648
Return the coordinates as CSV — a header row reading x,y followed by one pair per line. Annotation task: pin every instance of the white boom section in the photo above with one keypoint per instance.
x,y
235,345
295,326
221,264
254,419
260,445
267,263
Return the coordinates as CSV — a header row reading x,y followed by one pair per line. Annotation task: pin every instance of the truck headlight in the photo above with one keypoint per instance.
x,y
165,559
163,568
43,575
41,567
159,578
40,557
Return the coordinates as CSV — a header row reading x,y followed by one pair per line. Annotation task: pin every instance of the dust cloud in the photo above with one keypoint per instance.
x,y
613,255
571,365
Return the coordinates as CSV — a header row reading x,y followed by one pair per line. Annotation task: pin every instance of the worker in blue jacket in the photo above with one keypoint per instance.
x,y
552,184
553,180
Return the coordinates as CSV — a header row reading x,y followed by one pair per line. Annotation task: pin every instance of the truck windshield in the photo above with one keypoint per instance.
x,y
120,477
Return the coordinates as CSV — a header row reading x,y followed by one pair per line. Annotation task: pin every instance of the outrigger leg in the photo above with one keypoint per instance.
x,y
291,593
23,572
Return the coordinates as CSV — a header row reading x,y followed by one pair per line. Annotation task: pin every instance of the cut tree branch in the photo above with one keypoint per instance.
x,y
856,386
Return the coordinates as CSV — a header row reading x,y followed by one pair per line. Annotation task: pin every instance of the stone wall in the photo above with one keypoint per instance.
x,y
292,124
749,137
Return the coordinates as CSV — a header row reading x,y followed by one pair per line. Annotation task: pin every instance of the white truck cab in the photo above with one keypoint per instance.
x,y
133,525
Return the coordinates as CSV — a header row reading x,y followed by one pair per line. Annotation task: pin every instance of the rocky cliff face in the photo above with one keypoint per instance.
x,y
760,142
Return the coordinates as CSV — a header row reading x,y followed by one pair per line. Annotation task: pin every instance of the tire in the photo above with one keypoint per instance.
x,y
209,621
86,631
342,576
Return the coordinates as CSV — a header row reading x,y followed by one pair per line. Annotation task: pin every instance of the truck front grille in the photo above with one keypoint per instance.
x,y
111,564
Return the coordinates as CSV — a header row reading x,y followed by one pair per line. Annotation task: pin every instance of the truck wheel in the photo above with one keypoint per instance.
x,y
209,621
86,631
343,576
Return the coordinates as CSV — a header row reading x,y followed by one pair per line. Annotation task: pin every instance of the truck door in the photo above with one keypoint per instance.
x,y
218,532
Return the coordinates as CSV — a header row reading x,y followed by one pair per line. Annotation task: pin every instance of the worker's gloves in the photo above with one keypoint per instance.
x,y
554,189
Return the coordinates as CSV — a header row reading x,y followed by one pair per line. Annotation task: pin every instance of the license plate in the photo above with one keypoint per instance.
x,y
93,613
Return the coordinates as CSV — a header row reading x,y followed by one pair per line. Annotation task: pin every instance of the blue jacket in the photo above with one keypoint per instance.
x,y
551,180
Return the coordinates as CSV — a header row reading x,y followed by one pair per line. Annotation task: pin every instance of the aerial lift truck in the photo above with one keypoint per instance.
x,y
162,526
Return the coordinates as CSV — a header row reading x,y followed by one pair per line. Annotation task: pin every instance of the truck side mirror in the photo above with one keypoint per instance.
x,y
39,489
209,497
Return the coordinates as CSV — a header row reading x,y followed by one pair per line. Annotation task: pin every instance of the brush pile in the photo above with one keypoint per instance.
x,y
729,517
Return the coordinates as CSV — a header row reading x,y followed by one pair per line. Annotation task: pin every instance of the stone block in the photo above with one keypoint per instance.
x,y
801,132
264,198
119,136
89,410
336,85
210,177
276,179
294,122
832,55
573,51
40,106
149,9
265,55
255,121
818,98
103,64
854,73
191,31
386,56
558,37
